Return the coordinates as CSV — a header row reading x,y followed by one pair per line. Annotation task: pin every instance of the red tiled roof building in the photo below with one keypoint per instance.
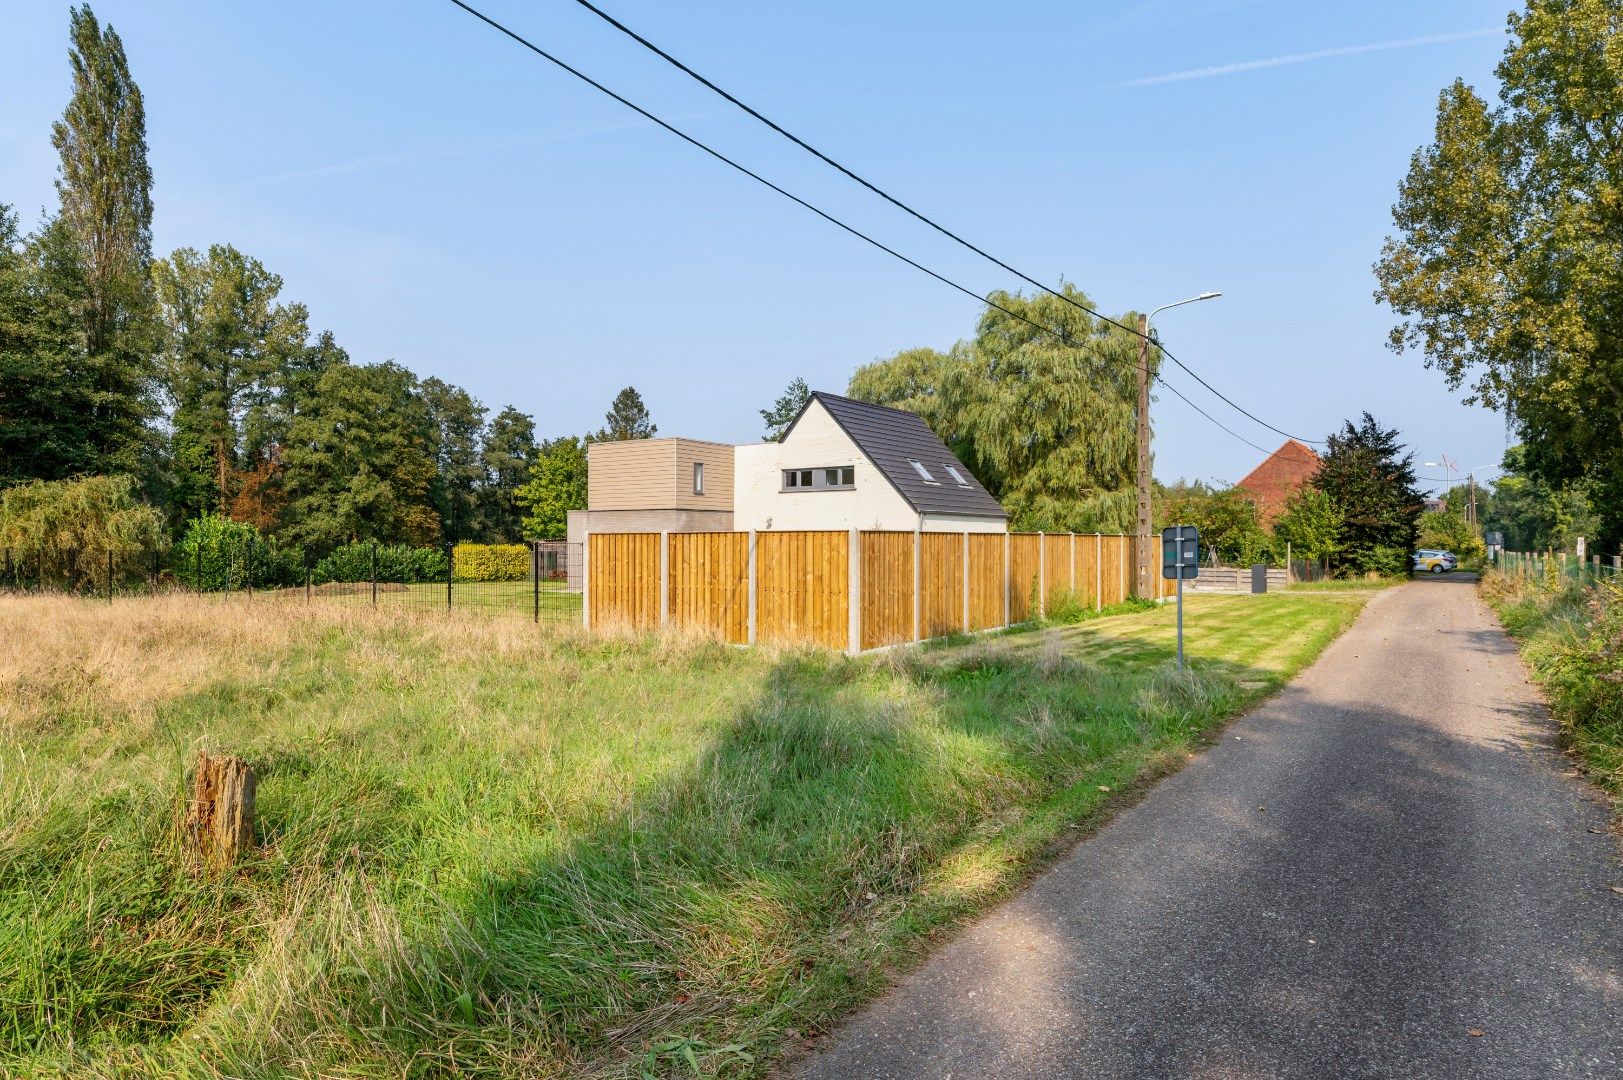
x,y
1285,472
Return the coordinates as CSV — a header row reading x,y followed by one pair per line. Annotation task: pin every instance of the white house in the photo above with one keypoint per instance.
x,y
845,464
842,464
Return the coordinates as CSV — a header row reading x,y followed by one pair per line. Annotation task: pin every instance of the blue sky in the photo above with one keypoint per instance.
x,y
440,197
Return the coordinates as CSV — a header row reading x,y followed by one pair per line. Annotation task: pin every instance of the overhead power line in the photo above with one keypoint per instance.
x,y
830,218
1209,416
905,208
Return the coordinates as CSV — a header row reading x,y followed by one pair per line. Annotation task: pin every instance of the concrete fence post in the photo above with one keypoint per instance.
x,y
918,599
750,633
586,581
664,577
854,594
966,582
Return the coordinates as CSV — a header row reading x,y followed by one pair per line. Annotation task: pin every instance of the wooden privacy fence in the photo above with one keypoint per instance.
x,y
853,590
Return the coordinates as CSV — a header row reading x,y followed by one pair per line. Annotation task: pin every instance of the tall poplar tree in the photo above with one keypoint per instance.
x,y
784,410
105,188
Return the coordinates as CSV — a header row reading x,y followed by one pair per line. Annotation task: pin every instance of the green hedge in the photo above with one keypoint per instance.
x,y
217,553
396,563
491,562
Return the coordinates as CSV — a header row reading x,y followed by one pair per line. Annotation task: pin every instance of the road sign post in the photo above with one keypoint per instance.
x,y
1180,558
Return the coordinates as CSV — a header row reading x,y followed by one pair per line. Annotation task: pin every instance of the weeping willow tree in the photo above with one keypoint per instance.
x,y
1046,422
68,532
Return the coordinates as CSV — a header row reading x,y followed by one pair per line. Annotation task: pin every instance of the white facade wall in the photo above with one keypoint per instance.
x,y
818,442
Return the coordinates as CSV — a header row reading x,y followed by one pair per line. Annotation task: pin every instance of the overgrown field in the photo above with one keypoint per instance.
x,y
492,849
1571,635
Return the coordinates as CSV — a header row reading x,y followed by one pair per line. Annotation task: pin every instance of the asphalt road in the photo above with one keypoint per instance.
x,y
1384,871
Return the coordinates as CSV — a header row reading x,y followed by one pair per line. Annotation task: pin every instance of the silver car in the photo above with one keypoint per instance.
x,y
1434,561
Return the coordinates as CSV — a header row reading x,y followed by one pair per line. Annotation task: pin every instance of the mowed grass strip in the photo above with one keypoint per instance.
x,y
488,849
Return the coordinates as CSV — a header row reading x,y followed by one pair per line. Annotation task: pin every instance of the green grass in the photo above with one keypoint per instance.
x,y
557,602
491,850
1569,633
1345,584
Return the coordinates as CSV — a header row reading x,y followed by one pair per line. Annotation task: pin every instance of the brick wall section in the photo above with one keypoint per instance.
x,y
1272,483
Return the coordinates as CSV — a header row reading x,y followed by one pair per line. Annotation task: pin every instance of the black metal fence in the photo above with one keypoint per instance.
x,y
548,588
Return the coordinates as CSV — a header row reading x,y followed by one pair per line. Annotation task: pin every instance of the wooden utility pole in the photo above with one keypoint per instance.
x,y
1471,516
1141,547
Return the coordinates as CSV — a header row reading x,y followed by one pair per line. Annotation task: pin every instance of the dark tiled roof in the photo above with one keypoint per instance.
x,y
892,439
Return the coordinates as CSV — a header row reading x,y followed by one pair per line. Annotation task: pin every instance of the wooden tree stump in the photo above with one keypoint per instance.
x,y
220,822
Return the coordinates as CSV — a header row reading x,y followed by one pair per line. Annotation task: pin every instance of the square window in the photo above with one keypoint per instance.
x,y
831,478
791,478
848,476
805,478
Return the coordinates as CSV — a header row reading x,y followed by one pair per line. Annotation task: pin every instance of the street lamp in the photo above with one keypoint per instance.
x,y
1144,543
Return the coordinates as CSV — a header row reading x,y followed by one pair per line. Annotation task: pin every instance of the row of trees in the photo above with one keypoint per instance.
x,y
192,374
1049,427
195,377
1507,266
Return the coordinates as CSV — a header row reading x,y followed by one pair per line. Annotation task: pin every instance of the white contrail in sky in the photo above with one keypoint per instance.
x,y
1303,58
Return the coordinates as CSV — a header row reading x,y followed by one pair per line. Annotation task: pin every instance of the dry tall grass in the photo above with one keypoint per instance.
x,y
494,849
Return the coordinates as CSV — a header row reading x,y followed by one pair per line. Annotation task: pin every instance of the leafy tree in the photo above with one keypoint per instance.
x,y
227,337
1371,481
1508,265
557,485
1311,524
43,434
1227,520
70,528
1448,529
289,390
1533,515
507,455
1046,424
627,418
917,380
100,247
784,410
359,462
216,553
457,422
